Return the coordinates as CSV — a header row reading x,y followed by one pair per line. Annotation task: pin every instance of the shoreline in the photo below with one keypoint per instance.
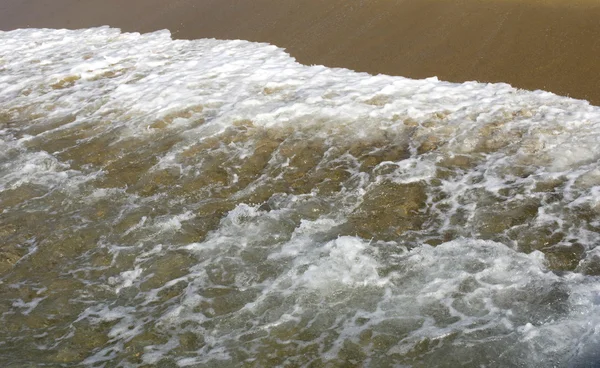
x,y
549,45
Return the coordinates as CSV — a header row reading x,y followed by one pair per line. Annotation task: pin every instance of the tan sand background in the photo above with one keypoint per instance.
x,y
534,44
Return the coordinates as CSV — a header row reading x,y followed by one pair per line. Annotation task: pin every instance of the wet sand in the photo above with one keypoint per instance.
x,y
535,44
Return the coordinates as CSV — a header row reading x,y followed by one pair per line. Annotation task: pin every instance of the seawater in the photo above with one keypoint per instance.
x,y
214,203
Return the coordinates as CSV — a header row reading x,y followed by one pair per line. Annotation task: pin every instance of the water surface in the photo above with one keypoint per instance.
x,y
216,204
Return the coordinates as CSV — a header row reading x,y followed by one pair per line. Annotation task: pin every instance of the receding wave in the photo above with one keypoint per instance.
x,y
214,203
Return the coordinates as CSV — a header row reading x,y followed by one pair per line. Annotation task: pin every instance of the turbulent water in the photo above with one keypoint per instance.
x,y
216,204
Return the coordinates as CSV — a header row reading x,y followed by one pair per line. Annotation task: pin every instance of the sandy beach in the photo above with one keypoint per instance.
x,y
550,45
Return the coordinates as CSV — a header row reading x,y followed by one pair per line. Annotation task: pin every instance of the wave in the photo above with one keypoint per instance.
x,y
215,203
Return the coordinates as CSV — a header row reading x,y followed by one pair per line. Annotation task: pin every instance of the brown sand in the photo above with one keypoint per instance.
x,y
534,44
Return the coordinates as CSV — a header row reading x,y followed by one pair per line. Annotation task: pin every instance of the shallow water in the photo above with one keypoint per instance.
x,y
215,204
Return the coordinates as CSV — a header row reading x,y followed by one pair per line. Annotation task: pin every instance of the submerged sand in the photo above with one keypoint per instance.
x,y
551,45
